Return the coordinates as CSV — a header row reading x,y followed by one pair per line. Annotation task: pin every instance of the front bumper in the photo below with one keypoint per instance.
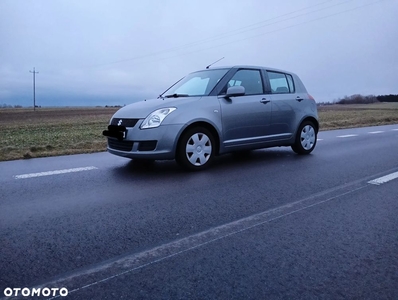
x,y
153,143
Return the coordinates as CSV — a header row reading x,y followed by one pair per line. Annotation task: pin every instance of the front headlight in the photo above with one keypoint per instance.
x,y
156,118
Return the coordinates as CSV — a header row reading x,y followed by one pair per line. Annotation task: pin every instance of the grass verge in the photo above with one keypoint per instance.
x,y
52,132
357,115
61,131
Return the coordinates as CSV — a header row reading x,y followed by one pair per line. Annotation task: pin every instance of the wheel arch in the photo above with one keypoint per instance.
x,y
297,146
206,125
313,120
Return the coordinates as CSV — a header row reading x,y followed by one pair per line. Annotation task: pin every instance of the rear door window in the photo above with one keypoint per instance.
x,y
280,83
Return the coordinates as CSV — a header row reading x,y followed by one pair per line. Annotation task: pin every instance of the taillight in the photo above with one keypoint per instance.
x,y
312,98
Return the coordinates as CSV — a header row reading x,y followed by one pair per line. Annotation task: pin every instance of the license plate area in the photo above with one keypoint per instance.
x,y
119,132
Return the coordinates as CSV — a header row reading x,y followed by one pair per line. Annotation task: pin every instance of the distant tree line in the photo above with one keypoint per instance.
x,y
388,98
10,106
360,99
353,99
357,99
39,106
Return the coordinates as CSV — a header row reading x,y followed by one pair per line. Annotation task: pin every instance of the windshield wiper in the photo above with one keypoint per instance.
x,y
176,95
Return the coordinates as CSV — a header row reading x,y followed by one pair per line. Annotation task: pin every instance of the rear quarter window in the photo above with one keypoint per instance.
x,y
291,83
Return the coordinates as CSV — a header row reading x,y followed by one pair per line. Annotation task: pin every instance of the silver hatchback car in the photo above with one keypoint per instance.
x,y
216,111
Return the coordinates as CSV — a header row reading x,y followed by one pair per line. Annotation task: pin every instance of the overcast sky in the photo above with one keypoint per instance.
x,y
97,52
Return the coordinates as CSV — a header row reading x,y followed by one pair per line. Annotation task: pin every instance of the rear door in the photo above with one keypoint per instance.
x,y
285,104
246,119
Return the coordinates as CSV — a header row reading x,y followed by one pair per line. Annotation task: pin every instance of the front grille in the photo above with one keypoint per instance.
x,y
124,122
147,145
120,145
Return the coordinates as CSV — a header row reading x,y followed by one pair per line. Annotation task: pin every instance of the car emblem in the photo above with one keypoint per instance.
x,y
119,123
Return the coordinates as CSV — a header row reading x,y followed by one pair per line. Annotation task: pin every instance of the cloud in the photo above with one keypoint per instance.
x,y
130,50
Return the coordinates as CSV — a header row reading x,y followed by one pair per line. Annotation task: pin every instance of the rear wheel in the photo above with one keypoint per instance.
x,y
305,139
195,150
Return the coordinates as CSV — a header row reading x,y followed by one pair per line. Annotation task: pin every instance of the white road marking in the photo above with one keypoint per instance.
x,y
56,172
375,132
137,261
396,129
347,135
384,179
319,139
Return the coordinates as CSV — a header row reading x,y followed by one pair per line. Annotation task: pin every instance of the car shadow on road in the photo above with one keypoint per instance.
x,y
257,158
229,162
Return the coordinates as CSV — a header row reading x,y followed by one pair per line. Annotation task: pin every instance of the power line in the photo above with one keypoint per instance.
x,y
280,29
233,32
242,30
264,33
257,25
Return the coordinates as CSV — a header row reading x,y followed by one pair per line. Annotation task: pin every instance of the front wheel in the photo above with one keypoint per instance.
x,y
195,150
305,139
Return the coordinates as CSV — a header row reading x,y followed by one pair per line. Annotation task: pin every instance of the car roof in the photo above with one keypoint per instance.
x,y
247,67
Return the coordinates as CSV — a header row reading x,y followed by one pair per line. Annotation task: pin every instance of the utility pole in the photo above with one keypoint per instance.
x,y
34,87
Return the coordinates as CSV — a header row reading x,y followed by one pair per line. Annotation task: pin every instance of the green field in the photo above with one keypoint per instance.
x,y
59,131
357,115
52,131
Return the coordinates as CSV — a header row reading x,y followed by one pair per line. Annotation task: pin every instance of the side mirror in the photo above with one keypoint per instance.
x,y
235,91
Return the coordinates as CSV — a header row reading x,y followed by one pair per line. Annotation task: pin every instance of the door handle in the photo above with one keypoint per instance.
x,y
264,100
299,99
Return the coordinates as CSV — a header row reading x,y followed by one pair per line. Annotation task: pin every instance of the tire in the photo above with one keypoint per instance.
x,y
306,138
195,149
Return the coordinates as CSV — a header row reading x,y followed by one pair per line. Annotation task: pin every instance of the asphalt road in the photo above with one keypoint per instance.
x,y
271,225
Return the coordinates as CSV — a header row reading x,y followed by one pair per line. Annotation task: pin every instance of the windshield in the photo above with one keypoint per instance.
x,y
196,84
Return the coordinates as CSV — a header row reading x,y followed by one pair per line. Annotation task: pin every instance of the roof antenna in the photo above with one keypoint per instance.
x,y
214,62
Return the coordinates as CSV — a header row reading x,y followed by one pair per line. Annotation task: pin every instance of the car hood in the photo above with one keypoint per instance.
x,y
141,109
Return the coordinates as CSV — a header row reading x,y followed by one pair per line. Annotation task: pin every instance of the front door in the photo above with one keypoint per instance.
x,y
246,119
